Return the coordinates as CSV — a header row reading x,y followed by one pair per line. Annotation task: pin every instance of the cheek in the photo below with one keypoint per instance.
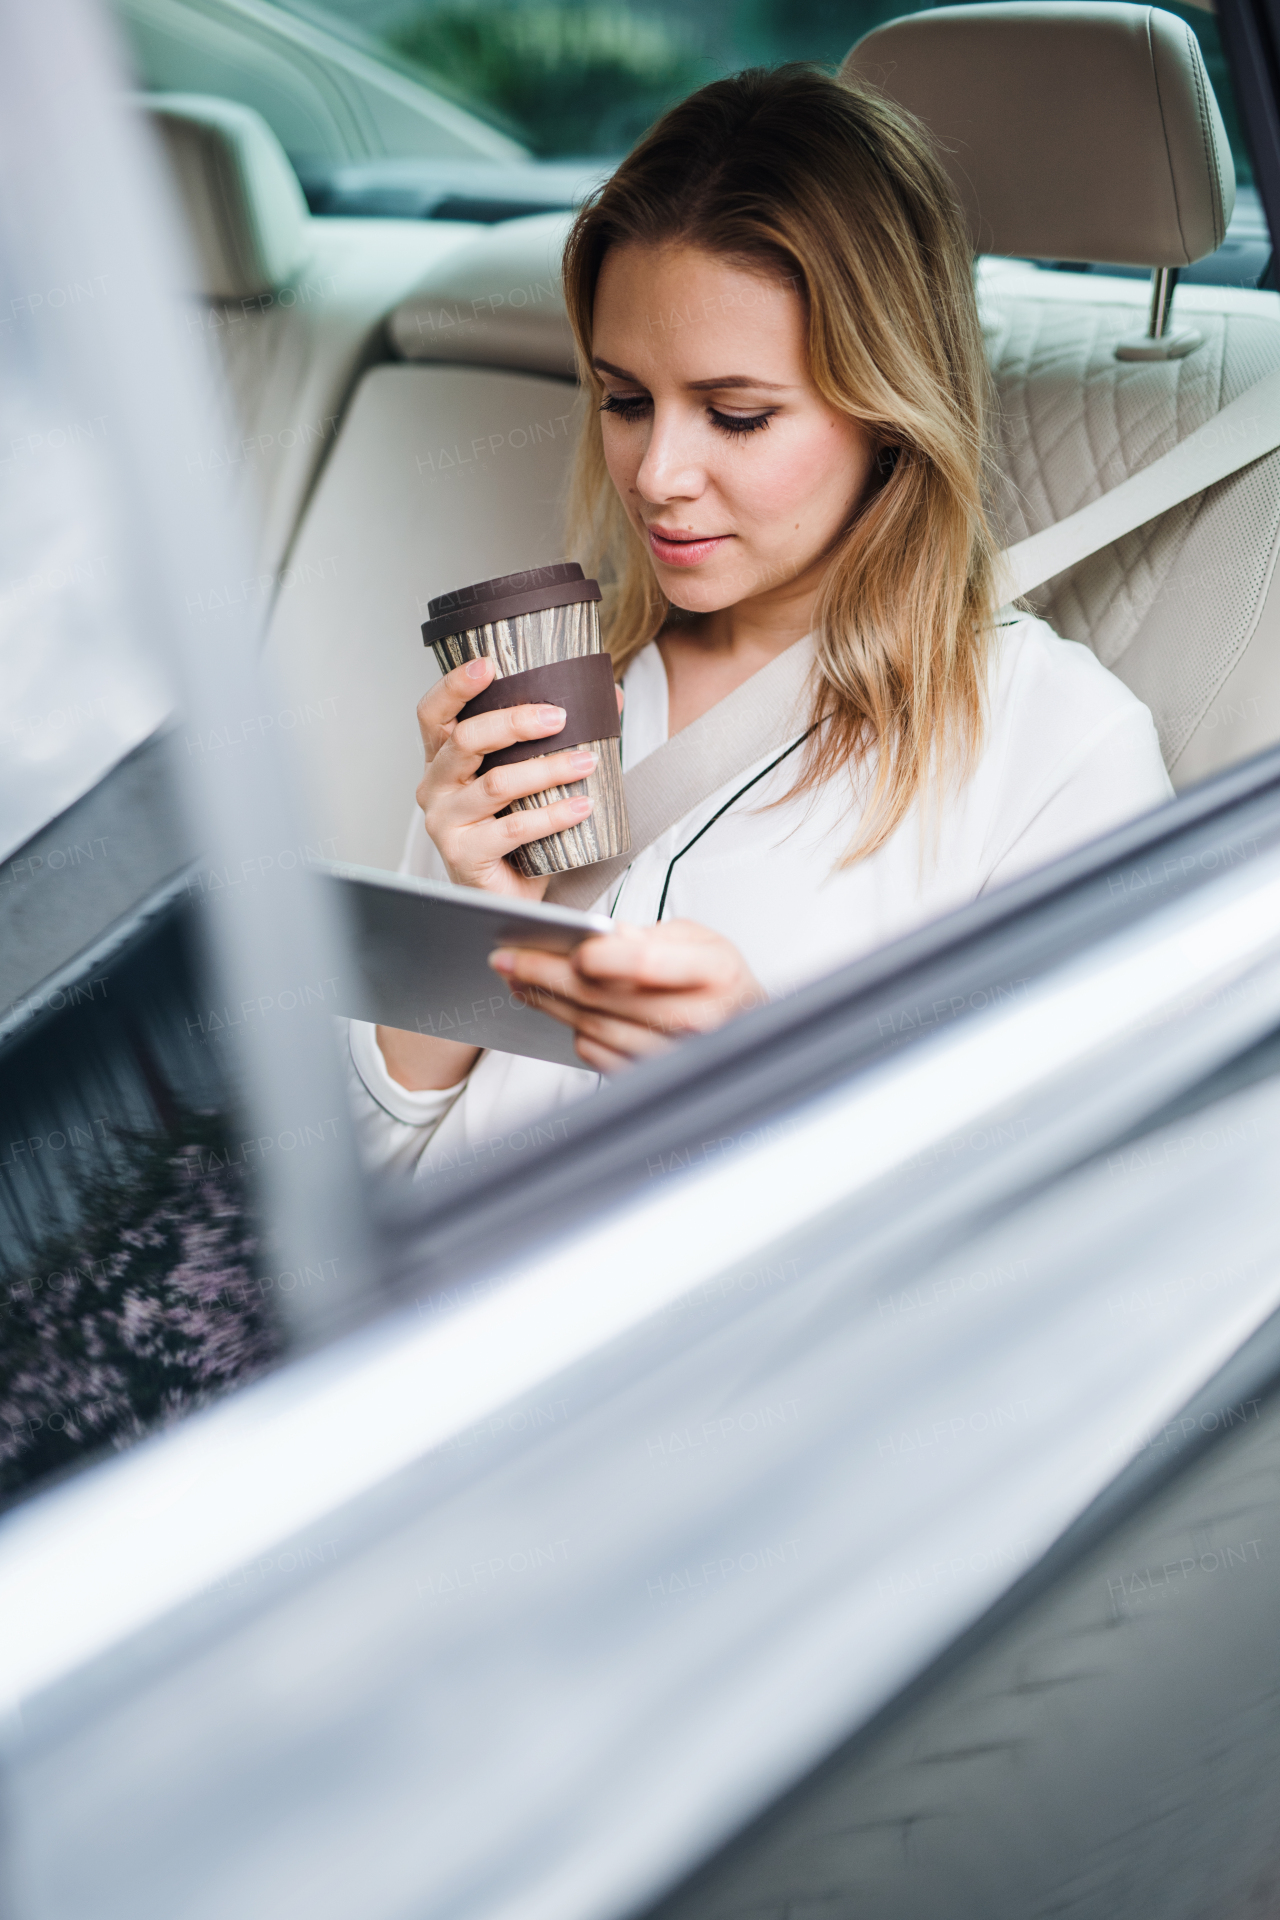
x,y
623,452
814,475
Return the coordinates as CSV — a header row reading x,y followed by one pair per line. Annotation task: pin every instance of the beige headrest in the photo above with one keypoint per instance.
x,y
496,302
243,207
1072,129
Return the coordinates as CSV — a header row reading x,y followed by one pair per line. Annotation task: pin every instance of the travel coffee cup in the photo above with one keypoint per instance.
x,y
542,631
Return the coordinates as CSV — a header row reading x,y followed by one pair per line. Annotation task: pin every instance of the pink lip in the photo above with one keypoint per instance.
x,y
683,553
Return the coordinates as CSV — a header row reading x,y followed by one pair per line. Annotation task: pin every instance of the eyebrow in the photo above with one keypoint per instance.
x,y
701,386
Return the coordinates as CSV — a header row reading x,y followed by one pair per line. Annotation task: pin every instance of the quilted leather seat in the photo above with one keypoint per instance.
x,y
1174,608
1086,130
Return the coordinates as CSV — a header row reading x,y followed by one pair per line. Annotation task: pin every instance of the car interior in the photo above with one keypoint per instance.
x,y
251,1661
406,391
404,406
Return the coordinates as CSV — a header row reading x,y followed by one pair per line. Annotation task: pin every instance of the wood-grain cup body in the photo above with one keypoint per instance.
x,y
535,640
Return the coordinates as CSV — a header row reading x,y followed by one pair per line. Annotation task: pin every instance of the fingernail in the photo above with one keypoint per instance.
x,y
581,807
551,716
475,669
582,762
502,960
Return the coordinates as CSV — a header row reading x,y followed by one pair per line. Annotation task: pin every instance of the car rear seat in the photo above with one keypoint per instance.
x,y
1181,609
291,309
1089,132
1185,610
449,468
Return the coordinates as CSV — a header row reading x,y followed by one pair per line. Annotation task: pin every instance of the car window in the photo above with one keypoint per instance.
x,y
623,1465
549,96
579,79
139,1282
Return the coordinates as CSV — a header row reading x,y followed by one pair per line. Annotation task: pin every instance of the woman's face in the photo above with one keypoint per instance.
x,y
734,470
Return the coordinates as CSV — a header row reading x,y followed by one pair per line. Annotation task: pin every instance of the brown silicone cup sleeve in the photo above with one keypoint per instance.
x,y
583,687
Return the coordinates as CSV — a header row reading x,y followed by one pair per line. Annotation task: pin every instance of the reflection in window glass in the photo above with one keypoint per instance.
x,y
584,79
131,1283
566,79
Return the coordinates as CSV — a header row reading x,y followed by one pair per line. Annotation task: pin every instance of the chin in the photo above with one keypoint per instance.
x,y
694,597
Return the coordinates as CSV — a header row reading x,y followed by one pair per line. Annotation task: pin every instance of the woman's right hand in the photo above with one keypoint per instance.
x,y
461,811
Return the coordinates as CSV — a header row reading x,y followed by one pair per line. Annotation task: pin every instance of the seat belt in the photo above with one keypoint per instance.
x,y
773,707
1234,438
764,715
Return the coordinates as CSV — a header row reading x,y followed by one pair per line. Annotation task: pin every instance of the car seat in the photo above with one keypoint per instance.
x,y
1092,135
290,309
449,467
1087,132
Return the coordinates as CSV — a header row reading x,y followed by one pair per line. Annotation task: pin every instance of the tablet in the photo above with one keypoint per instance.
x,y
422,949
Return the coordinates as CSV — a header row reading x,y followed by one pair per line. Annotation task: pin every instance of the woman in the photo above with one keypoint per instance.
x,y
773,304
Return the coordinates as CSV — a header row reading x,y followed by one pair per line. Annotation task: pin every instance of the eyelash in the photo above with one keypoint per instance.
x,y
735,426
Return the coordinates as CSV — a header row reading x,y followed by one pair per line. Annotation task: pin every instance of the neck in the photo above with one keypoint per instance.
x,y
709,655
755,629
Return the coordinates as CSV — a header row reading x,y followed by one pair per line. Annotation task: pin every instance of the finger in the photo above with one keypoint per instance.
x,y
549,977
661,1010
549,1003
502,785
601,1059
527,968
658,965
459,800
555,973
571,1010
455,764
440,706
489,732
628,1039
488,840
621,1036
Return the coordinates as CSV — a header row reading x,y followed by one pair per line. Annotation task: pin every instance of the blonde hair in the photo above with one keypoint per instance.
x,y
823,183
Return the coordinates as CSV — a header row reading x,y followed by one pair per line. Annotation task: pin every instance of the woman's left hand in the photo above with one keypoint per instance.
x,y
636,991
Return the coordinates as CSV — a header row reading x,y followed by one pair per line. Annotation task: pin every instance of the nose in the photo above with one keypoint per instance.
x,y
671,468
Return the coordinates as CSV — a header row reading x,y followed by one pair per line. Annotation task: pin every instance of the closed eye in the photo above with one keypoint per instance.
x,y
632,406
739,423
627,406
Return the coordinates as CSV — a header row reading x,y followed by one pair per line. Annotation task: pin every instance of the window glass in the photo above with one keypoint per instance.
x,y
580,83
577,78
134,1286
566,80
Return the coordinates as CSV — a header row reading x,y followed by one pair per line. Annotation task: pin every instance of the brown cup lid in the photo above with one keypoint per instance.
x,y
505,598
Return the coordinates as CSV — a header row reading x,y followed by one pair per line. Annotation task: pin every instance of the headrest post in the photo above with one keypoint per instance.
x,y
1163,282
1160,341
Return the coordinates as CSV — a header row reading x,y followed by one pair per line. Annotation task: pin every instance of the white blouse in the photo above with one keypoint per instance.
x,y
1069,753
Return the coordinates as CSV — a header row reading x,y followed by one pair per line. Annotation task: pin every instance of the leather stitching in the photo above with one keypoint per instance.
x,y
1209,143
1173,183
1075,421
